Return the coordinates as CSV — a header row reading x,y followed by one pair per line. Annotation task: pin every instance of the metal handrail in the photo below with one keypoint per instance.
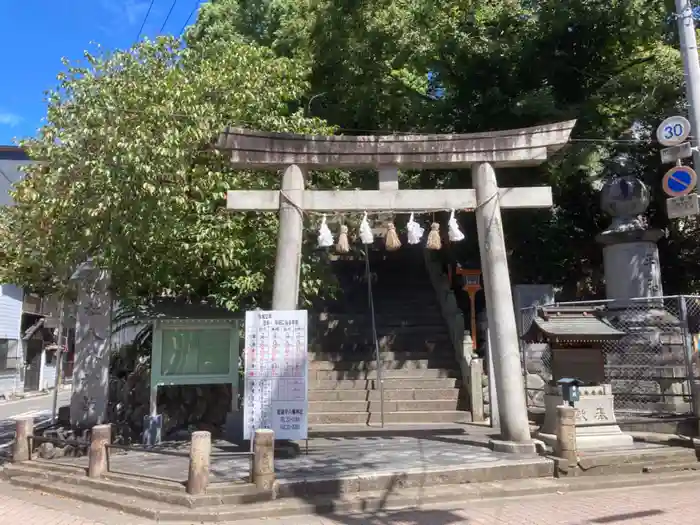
x,y
59,441
174,453
370,297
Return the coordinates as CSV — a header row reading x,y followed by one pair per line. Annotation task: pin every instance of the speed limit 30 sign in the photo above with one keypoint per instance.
x,y
673,131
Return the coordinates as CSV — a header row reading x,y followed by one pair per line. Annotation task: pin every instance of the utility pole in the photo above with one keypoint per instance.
x,y
59,358
689,51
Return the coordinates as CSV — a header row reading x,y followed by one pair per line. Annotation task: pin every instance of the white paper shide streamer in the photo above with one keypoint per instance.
x,y
453,231
325,237
366,235
414,231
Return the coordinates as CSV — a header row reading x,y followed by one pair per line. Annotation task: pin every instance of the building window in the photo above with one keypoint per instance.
x,y
9,358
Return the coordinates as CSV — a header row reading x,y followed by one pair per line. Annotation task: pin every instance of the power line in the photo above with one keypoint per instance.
x,y
167,17
4,176
194,9
340,129
145,18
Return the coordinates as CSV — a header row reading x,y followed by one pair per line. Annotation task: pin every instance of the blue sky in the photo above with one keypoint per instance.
x,y
35,34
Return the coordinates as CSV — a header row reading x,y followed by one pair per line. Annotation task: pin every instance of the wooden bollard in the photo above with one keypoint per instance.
x,y
263,462
566,434
22,448
476,389
100,437
200,454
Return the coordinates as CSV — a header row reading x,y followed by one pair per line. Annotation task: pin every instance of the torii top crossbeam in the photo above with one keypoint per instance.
x,y
517,147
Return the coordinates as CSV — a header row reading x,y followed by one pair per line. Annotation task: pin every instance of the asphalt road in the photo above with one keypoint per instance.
x,y
38,407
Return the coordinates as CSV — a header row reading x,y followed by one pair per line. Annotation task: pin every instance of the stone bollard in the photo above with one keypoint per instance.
x,y
200,455
22,448
263,462
100,437
566,435
476,389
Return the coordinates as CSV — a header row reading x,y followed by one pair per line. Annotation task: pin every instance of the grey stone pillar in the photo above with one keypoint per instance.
x,y
630,254
631,263
504,344
476,389
285,293
88,405
633,271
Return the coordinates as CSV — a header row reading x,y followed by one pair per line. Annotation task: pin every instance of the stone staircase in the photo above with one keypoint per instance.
x,y
422,382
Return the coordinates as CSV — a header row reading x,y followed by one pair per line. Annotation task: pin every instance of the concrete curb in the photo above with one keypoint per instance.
x,y
358,502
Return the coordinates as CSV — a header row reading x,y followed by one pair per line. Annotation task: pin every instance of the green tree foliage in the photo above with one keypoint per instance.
x,y
495,64
128,174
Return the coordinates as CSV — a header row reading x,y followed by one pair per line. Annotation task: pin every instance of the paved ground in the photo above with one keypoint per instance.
x,y
663,504
38,407
328,459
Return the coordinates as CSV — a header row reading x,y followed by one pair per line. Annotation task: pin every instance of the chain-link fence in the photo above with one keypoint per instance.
x,y
651,364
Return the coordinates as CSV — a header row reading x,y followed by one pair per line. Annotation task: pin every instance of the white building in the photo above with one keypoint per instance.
x,y
25,363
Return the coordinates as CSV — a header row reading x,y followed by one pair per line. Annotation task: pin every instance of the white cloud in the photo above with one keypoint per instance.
x,y
9,119
131,12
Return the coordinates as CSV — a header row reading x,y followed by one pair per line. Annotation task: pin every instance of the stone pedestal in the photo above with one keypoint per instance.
x,y
596,425
631,262
92,346
652,356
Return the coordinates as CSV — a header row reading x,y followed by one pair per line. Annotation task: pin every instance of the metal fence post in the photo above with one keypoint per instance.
x,y
688,347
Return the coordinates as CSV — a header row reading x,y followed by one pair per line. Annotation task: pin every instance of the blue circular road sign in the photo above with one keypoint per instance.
x,y
679,180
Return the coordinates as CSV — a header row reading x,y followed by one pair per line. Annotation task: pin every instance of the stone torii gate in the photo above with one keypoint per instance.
x,y
482,152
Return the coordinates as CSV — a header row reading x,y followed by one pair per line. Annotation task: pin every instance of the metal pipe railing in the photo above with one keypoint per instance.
x,y
377,355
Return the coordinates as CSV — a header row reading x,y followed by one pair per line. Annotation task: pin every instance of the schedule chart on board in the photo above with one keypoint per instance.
x,y
276,373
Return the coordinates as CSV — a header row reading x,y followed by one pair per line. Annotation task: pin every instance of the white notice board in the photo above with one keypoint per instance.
x,y
276,373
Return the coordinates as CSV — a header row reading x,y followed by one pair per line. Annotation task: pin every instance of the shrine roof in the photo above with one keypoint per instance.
x,y
571,324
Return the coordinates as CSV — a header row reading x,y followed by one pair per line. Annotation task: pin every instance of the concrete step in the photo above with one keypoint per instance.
x,y
643,467
389,406
383,331
415,373
641,460
389,318
370,418
389,384
151,489
356,347
447,363
354,353
425,394
464,484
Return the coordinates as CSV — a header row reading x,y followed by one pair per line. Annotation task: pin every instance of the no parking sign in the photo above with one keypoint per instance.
x,y
679,180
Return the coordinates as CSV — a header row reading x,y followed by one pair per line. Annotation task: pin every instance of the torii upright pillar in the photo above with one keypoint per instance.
x,y
481,152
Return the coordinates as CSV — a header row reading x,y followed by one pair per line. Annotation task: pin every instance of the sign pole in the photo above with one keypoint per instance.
x,y
689,52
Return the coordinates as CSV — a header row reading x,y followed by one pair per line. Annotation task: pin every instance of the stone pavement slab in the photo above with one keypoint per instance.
x,y
28,507
659,505
329,458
